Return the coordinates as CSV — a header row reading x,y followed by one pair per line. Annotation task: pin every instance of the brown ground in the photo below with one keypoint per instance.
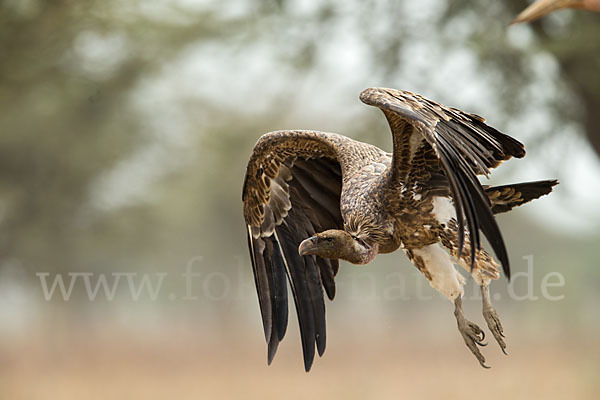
x,y
182,362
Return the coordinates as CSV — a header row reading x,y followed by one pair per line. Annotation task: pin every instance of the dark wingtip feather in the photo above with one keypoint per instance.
x,y
490,229
308,364
506,269
534,190
510,146
506,197
272,349
301,290
257,247
321,342
278,290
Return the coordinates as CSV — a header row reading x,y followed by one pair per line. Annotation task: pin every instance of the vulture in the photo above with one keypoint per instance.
x,y
311,199
543,7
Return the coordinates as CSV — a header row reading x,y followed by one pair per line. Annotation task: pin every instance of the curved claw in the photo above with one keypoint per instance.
x,y
495,326
480,341
473,337
471,333
491,318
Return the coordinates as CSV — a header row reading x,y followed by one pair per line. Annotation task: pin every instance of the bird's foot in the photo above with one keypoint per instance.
x,y
492,319
472,334
493,322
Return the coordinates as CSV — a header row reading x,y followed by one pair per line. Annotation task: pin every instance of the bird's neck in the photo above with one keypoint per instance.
x,y
359,253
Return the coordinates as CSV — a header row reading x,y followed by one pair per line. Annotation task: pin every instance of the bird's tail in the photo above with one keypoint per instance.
x,y
504,198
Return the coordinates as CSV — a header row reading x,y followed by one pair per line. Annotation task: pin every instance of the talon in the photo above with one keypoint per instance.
x,y
491,318
472,334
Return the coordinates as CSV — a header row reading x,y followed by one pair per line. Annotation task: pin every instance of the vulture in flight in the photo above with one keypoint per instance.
x,y
313,198
543,7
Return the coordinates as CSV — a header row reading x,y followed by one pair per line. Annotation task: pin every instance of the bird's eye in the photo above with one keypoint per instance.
x,y
329,239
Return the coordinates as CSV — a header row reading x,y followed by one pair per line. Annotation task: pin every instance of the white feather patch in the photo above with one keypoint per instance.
x,y
443,209
444,277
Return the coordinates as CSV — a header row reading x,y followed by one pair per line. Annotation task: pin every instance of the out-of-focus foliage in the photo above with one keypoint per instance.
x,y
69,73
108,162
571,38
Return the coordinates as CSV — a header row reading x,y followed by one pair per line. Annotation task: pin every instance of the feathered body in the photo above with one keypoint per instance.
x,y
312,198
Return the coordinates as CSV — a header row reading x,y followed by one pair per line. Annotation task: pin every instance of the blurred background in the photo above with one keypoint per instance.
x,y
125,128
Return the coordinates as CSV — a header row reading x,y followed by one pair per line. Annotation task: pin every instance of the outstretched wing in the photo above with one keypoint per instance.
x,y
292,191
458,145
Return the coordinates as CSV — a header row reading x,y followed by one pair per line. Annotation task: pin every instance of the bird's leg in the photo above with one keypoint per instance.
x,y
491,317
471,333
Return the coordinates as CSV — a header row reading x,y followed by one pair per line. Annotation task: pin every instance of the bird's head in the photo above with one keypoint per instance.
x,y
336,243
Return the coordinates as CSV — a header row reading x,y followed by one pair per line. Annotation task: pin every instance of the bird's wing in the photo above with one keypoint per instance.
x,y
462,147
292,191
505,198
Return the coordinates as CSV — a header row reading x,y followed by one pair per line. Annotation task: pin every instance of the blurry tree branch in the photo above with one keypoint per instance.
x,y
574,44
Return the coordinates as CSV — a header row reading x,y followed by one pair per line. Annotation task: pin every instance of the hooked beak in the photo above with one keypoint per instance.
x,y
306,246
541,8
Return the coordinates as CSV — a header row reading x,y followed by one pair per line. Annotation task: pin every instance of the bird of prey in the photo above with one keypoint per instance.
x,y
543,7
312,198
